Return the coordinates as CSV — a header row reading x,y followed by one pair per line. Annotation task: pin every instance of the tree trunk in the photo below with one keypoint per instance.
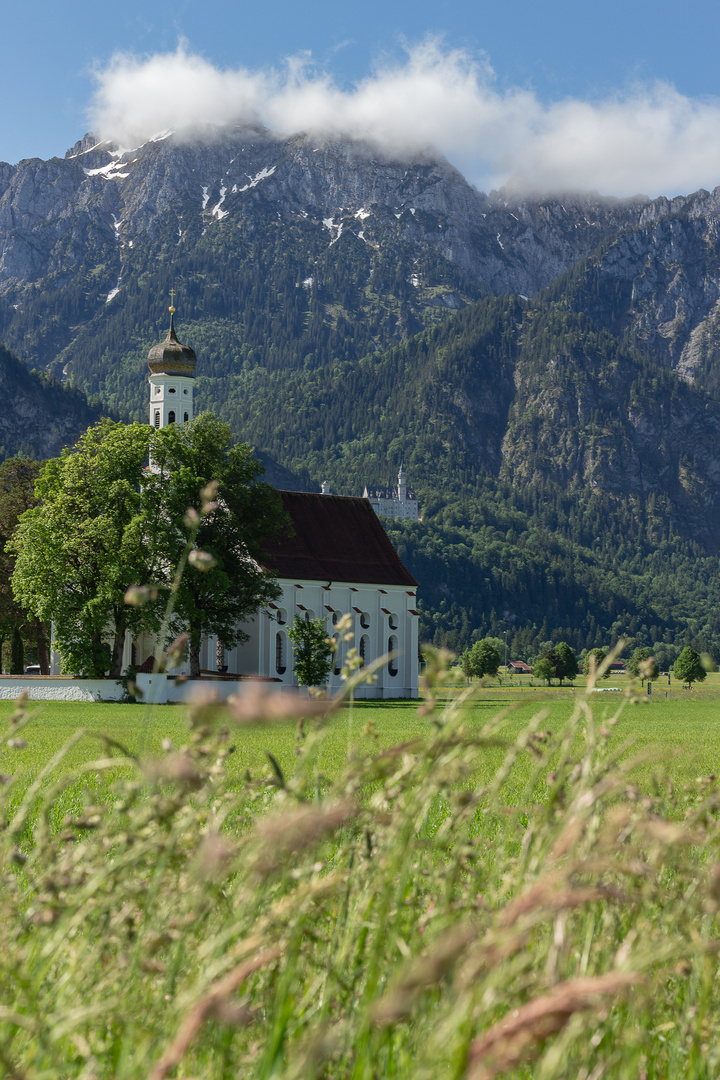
x,y
195,642
43,647
194,658
117,653
17,654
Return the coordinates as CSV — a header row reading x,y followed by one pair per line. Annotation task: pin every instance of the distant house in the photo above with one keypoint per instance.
x,y
518,667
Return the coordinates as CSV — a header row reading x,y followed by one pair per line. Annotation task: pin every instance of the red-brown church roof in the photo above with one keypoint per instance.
x,y
336,539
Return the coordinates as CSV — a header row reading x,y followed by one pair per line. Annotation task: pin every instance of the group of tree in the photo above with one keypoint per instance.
x,y
183,537
559,662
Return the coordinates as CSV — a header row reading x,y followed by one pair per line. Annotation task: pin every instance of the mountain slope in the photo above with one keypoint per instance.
x,y
40,416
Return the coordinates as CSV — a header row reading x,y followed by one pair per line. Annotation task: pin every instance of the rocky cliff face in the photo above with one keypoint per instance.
x,y
659,285
71,216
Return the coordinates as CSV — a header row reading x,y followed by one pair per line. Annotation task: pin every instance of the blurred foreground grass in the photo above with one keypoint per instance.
x,y
463,894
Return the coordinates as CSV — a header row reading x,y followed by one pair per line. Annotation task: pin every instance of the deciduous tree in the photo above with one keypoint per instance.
x,y
563,661
215,594
17,494
642,665
689,667
482,659
543,670
88,540
313,659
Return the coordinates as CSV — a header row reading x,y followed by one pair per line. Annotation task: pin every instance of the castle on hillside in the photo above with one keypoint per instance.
x,y
399,502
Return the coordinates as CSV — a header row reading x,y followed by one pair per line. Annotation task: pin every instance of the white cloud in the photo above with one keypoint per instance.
x,y
650,139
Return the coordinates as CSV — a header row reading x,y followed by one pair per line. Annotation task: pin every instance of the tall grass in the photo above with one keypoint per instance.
x,y
400,921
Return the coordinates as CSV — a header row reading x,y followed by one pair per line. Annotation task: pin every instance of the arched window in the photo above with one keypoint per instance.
x,y
171,417
157,418
186,418
364,649
393,621
280,653
337,659
365,620
281,616
309,615
393,661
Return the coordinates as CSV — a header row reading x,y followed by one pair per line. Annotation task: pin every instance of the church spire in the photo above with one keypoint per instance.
x,y
172,375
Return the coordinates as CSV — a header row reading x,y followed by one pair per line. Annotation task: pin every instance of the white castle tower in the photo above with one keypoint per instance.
x,y
172,377
399,502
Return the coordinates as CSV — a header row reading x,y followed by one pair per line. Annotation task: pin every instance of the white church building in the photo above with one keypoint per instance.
x,y
339,560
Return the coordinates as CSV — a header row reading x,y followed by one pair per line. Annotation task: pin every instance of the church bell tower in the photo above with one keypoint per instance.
x,y
172,377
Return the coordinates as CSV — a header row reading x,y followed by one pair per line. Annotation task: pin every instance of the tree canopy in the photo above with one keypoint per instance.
x,y
17,494
563,661
311,646
215,595
689,667
106,522
642,665
481,659
86,543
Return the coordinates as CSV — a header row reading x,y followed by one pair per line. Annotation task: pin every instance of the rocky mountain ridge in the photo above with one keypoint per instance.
x,y
61,215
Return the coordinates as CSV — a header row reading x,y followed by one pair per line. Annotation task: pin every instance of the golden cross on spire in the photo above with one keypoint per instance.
x,y
172,301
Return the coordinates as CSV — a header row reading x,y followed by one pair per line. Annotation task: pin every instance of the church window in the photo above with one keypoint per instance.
x,y
392,649
336,617
393,621
365,620
157,418
280,654
309,615
186,418
337,662
281,616
364,649
171,417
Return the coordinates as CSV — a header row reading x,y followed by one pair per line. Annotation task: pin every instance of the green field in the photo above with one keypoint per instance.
x,y
520,892
681,734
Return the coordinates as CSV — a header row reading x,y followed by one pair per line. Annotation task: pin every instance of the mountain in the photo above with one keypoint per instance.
x,y
546,367
40,416
320,249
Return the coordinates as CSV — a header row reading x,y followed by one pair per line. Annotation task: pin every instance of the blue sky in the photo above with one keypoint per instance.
x,y
637,81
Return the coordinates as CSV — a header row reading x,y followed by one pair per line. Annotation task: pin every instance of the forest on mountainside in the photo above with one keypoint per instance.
x,y
566,475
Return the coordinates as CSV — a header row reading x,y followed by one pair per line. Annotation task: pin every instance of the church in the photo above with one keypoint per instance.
x,y
339,561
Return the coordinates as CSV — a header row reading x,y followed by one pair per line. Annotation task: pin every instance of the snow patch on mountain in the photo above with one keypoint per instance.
x,y
216,211
255,180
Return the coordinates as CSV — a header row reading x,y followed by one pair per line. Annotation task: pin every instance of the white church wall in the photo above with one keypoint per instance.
x,y
370,607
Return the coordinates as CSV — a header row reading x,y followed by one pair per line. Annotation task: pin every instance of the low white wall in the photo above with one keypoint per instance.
x,y
157,689
59,689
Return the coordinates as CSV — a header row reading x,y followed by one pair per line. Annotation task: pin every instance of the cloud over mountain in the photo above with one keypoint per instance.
x,y
649,139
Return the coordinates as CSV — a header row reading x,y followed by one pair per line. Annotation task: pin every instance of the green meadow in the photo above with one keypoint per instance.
x,y
526,884
680,733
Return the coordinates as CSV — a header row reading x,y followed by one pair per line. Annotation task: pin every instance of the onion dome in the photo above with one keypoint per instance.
x,y
171,357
